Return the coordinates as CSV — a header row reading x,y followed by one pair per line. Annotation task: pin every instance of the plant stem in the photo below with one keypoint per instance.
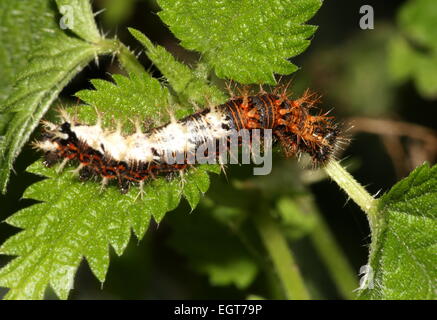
x,y
281,256
324,242
354,190
337,264
127,59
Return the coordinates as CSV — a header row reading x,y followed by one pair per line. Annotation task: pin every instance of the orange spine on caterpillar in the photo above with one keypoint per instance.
x,y
141,156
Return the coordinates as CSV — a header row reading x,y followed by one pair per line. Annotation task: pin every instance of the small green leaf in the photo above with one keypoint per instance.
x,y
296,223
245,40
76,220
406,62
126,97
196,182
418,19
403,256
77,15
413,54
186,83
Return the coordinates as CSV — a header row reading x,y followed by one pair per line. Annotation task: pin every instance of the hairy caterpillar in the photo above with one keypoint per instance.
x,y
141,156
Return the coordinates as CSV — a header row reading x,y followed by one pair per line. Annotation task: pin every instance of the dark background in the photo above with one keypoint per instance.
x,y
336,64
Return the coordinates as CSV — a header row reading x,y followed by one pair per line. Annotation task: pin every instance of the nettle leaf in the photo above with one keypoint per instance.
x,y
23,25
138,94
76,220
52,67
403,257
53,63
245,40
79,18
187,83
413,54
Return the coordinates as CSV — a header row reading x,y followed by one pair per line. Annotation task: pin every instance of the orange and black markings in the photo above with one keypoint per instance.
x,y
141,156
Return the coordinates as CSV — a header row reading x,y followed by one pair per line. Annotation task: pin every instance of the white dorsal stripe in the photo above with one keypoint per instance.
x,y
153,146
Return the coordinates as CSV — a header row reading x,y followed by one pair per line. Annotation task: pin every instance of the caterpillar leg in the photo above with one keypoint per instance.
x,y
104,183
62,165
51,158
85,173
141,193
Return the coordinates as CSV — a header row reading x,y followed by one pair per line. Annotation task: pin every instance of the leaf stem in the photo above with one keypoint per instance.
x,y
334,259
354,190
127,59
282,258
326,245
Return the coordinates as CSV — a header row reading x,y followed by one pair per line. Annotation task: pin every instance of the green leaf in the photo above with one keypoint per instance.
x,y
77,15
126,97
295,222
372,95
53,62
405,62
243,40
413,54
403,256
186,83
71,222
52,67
76,220
417,18
23,25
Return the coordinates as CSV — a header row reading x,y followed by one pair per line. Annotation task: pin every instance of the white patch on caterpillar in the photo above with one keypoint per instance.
x,y
174,137
114,145
138,148
91,135
46,145
177,137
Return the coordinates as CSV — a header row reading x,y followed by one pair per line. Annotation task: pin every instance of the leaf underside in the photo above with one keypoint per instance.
x,y
22,28
52,67
54,58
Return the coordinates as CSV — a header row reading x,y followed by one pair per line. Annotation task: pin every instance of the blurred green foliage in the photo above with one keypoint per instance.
x,y
413,51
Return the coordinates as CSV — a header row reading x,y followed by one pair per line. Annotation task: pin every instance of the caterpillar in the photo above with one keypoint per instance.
x,y
141,156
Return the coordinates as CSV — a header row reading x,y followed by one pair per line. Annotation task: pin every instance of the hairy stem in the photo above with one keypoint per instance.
x,y
282,258
127,59
354,190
